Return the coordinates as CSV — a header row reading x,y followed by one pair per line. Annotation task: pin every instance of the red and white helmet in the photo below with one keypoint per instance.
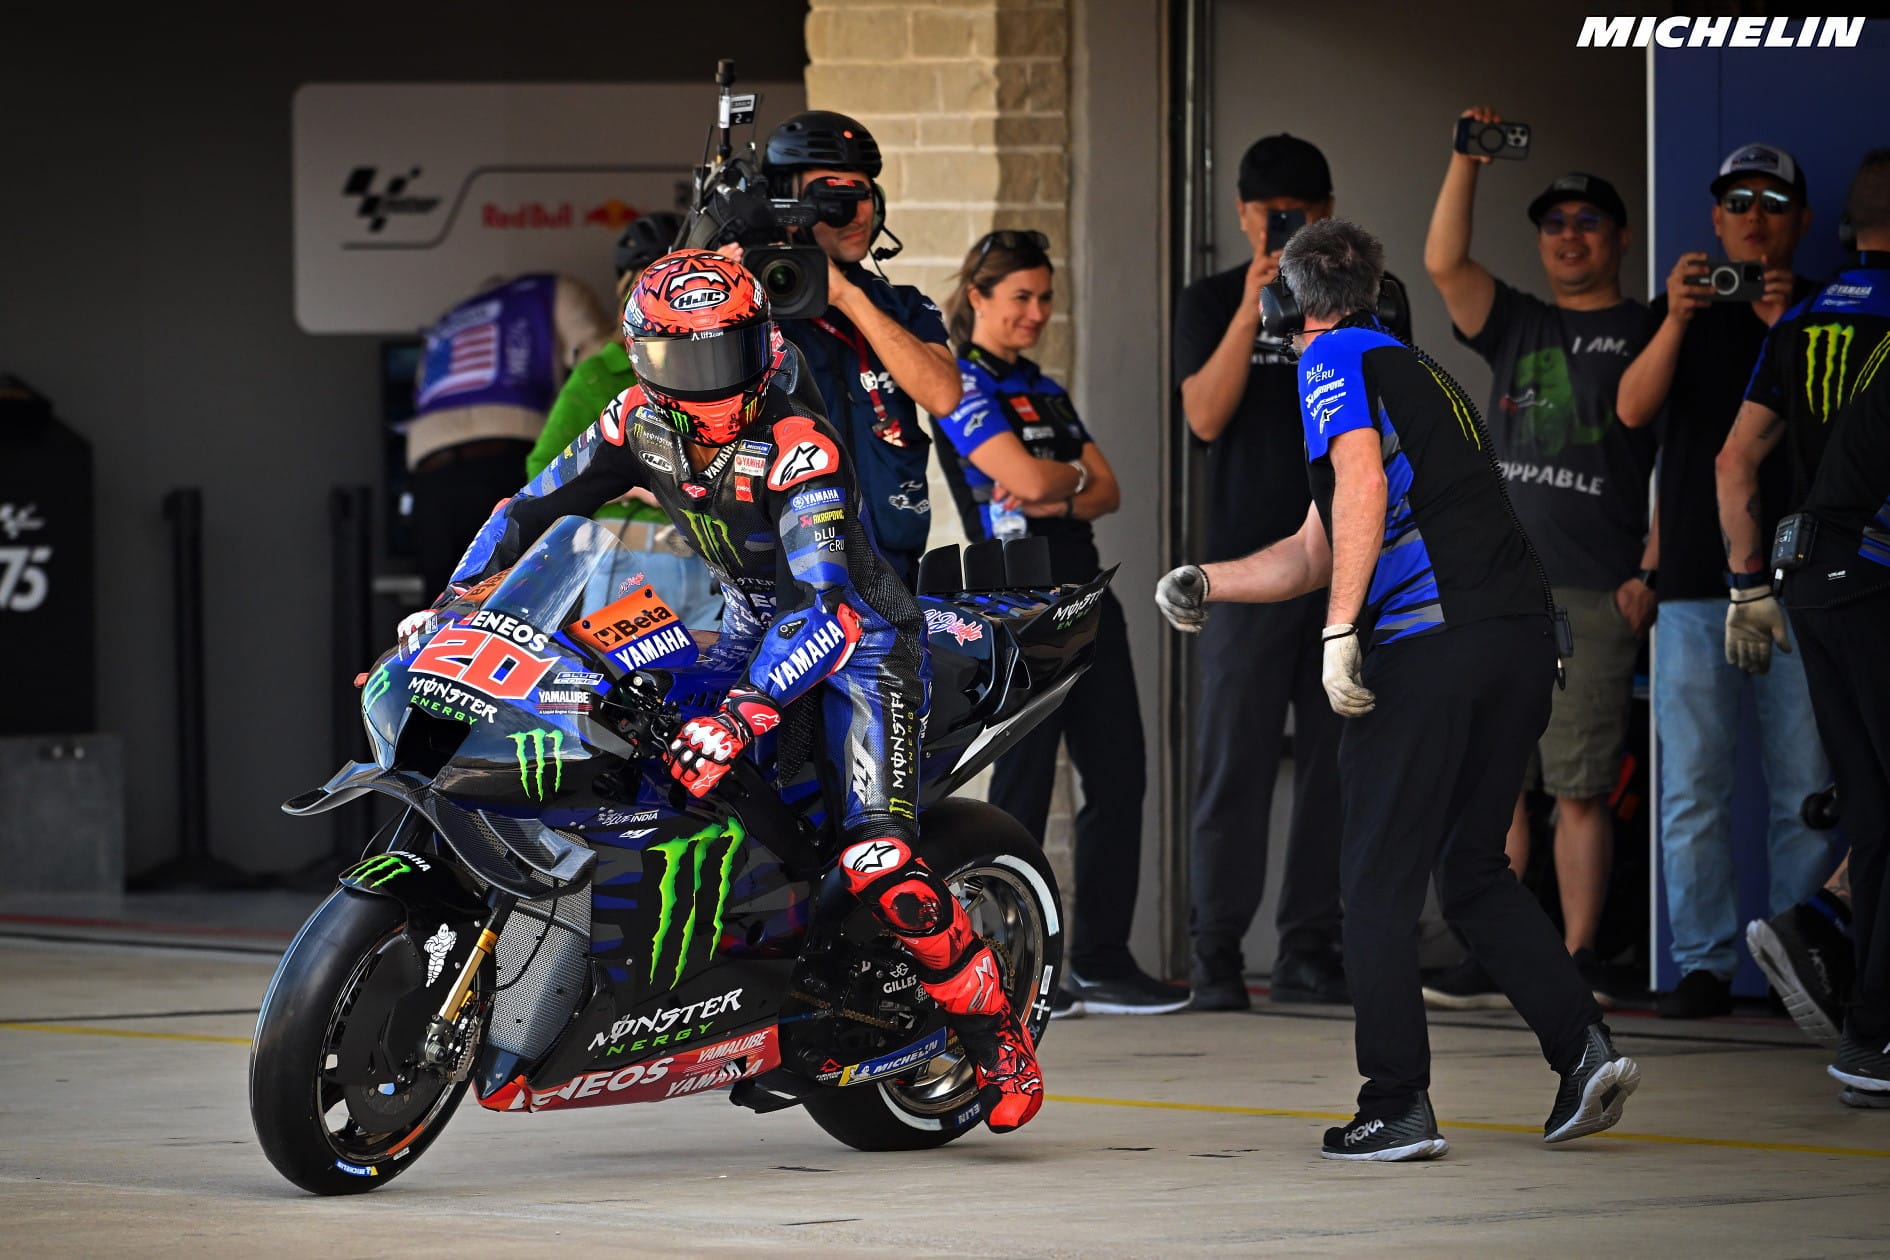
x,y
699,334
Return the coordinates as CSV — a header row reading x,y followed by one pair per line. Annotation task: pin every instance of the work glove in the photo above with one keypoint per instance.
x,y
705,747
1182,597
1340,672
1755,620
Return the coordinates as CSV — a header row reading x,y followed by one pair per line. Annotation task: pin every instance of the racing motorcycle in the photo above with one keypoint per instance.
x,y
552,923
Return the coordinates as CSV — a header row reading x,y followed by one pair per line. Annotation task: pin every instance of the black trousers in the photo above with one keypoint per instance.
x,y
1430,780
1256,659
1102,723
451,502
1849,675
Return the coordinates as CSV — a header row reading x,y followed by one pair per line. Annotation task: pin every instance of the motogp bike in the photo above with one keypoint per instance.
x,y
552,923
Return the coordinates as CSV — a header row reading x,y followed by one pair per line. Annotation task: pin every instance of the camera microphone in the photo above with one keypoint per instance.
x,y
881,253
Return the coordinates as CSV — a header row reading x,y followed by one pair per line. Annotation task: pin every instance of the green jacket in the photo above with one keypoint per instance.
x,y
587,391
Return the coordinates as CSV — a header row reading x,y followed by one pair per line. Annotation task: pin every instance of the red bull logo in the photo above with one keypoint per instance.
x,y
613,214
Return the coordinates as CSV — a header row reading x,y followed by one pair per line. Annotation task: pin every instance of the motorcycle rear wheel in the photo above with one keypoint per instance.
x,y
1004,881
307,1122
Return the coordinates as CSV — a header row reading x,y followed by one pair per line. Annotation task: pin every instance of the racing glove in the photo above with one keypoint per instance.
x,y
1182,597
1340,672
705,747
1755,620
412,626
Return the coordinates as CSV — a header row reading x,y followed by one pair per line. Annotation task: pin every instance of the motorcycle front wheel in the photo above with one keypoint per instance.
x,y
1005,883
337,1109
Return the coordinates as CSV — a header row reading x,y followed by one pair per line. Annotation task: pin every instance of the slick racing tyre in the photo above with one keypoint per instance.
x,y
339,1109
1001,877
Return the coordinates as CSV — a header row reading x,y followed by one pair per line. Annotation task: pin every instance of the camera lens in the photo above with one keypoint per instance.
x,y
1491,138
1725,279
781,278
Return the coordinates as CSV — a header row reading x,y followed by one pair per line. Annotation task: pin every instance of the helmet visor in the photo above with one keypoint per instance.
x,y
704,365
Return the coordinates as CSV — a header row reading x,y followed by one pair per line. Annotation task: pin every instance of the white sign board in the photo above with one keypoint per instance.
x,y
408,197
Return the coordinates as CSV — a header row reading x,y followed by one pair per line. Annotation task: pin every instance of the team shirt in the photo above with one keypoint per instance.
x,y
1452,552
1850,497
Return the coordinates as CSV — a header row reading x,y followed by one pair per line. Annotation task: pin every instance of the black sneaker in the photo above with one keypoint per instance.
x,y
1864,1066
1810,964
1865,1099
1597,978
1699,995
1228,994
1592,1096
1465,987
1310,976
1132,994
1063,1006
1412,1135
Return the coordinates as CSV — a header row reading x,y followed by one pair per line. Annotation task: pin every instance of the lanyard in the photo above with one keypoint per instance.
x,y
887,427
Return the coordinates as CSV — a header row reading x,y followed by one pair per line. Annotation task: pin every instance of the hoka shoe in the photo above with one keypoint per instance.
x,y
1593,1094
1810,963
1412,1135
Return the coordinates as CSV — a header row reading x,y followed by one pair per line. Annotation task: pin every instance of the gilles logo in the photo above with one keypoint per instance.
x,y
378,205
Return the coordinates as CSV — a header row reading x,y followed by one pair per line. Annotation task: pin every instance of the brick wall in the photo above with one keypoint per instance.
x,y
969,102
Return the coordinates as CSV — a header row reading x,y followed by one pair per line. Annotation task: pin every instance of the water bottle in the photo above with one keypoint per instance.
x,y
1006,523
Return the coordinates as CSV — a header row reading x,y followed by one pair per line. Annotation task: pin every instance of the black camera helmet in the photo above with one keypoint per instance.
x,y
646,238
823,139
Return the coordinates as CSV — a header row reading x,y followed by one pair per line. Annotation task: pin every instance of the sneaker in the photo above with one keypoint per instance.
x,y
1134,993
1310,976
1699,995
1063,1006
1596,977
1865,1099
1592,1096
1864,1066
1465,987
1810,964
1412,1135
1229,994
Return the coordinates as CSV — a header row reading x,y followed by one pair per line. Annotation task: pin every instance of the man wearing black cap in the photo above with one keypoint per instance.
x,y
1578,478
1690,376
1240,398
879,348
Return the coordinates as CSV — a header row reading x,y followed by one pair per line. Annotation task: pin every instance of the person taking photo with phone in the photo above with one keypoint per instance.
x,y
1697,352
1578,478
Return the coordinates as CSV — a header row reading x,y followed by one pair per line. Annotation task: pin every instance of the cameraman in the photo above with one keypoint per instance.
x,y
880,348
1439,655
1578,479
1690,375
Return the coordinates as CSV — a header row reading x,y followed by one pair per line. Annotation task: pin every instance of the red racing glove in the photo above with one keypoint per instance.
x,y
705,747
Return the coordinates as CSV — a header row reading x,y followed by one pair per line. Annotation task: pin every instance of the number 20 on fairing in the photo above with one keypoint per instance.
x,y
485,662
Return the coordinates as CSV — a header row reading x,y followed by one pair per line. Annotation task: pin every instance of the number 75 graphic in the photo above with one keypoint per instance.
x,y
22,580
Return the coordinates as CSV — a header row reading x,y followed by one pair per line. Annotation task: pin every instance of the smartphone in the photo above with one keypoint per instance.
x,y
1281,224
1731,281
1493,140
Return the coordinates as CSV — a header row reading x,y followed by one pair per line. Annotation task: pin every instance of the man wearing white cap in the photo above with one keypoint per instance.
x,y
1690,375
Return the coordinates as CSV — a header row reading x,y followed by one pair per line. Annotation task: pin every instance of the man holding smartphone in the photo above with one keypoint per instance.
x,y
1697,353
1239,395
1578,479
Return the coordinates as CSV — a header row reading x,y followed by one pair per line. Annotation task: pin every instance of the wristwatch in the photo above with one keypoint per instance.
x,y
1647,577
1746,581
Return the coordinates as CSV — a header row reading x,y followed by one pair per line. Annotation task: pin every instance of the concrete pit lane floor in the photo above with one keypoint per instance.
x,y
124,1131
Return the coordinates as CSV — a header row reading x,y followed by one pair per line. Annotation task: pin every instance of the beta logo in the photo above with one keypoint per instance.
x,y
488,663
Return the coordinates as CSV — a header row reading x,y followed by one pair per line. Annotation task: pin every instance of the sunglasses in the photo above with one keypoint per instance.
x,y
1011,242
1772,201
1555,223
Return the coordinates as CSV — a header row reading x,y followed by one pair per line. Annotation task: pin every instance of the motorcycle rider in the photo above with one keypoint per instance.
x,y
766,493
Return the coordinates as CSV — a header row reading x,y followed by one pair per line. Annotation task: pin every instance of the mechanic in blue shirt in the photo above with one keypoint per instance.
x,y
1019,461
879,351
1439,654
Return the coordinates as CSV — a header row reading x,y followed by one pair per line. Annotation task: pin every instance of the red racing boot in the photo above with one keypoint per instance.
x,y
957,969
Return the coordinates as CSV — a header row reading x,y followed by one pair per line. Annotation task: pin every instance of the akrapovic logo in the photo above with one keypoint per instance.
x,y
1720,32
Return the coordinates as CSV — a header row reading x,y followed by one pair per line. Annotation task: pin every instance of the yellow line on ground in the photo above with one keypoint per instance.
x,y
76,1031
1533,1131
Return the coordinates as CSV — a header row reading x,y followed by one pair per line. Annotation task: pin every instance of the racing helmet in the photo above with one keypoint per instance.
x,y
702,342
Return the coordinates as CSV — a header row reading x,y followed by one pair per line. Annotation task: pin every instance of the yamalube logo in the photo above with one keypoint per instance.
x,y
1720,32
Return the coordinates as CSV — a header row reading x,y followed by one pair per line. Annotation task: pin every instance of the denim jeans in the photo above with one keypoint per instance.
x,y
1696,717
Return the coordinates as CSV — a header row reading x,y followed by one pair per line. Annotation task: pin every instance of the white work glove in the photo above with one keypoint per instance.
x,y
1755,620
1182,597
412,626
1340,673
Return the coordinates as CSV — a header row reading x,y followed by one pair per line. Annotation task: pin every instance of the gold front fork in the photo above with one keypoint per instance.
x,y
458,995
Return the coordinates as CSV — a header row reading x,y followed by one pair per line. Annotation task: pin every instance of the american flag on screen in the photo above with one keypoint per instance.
x,y
467,360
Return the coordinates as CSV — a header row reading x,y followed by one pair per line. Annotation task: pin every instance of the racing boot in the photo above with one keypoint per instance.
x,y
957,969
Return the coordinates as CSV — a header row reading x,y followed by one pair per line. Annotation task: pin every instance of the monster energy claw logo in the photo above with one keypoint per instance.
x,y
378,870
692,852
534,784
377,686
1825,390
712,540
